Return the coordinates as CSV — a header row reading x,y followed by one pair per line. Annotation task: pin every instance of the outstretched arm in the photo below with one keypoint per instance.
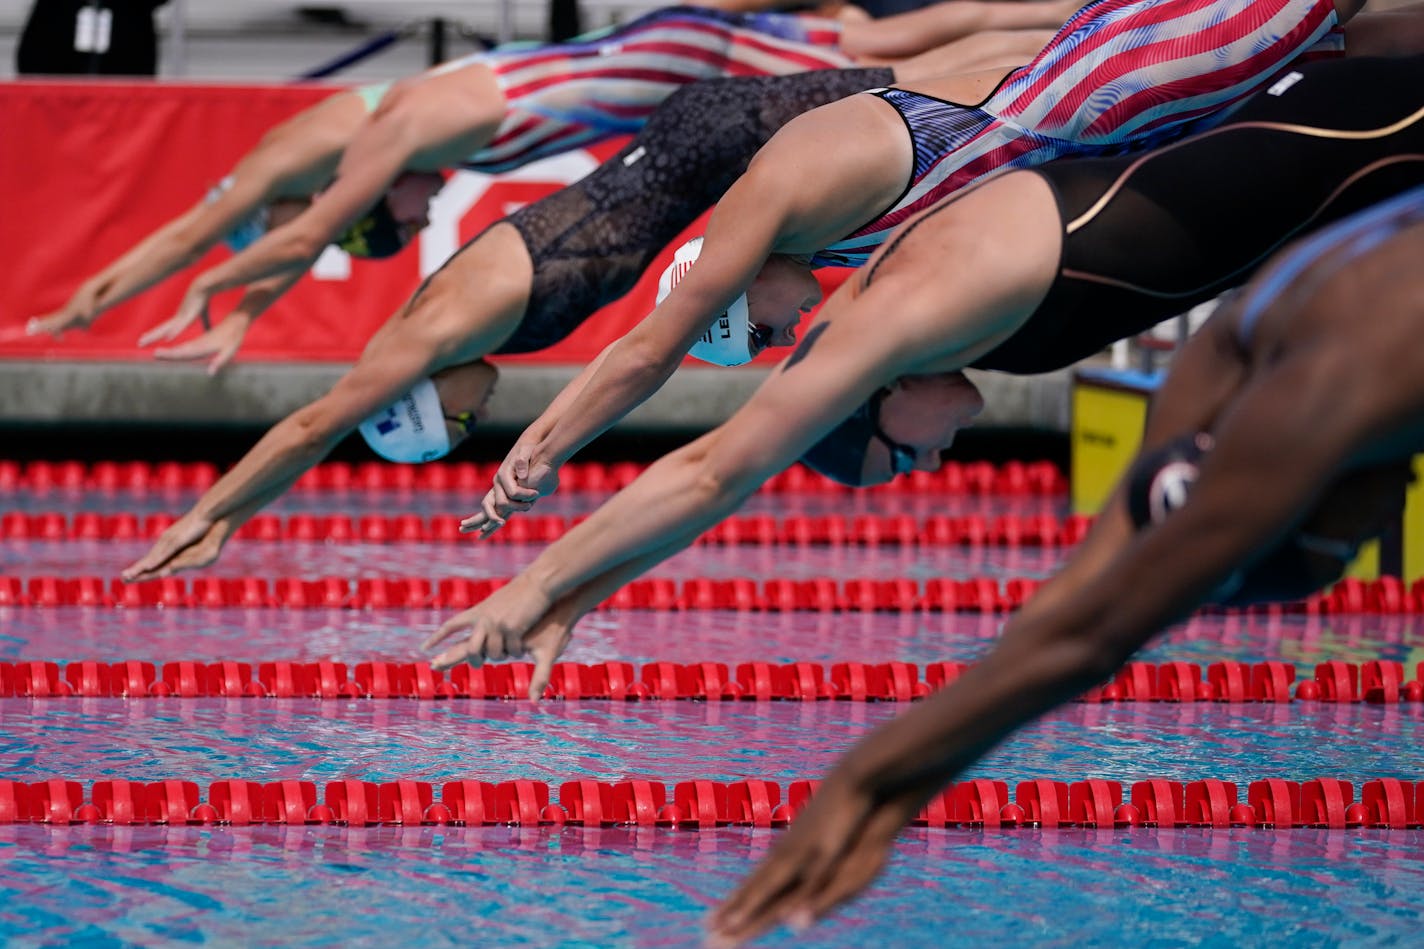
x,y
423,121
291,447
219,345
807,187
1055,647
547,630
743,232
837,367
870,333
521,480
433,332
287,160
909,34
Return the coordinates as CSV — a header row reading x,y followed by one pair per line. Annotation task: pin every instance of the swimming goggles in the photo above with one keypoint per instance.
x,y
902,457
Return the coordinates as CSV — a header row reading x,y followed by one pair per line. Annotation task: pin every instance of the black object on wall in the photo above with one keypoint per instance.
x,y
95,37
565,22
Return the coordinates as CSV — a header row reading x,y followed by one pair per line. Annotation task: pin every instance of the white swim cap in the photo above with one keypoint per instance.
x,y
727,341
411,429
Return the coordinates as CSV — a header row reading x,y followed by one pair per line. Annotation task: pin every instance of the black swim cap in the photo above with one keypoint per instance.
x,y
840,456
1161,481
377,235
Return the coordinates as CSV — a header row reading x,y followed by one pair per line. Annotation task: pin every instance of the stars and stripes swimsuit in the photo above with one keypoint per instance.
x,y
571,95
1120,75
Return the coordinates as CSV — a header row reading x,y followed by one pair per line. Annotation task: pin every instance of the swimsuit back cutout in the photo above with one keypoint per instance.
x,y
1120,75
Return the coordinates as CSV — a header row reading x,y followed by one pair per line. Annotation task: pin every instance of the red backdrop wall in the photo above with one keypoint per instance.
x,y
88,169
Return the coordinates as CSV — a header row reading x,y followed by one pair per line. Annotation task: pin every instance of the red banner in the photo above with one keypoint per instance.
x,y
89,169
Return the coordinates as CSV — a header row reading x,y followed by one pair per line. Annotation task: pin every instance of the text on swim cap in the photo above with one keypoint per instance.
x,y
724,323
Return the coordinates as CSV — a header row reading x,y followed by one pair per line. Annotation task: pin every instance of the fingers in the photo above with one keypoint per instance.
x,y
200,348
544,656
453,625
508,484
225,355
474,522
852,874
209,344
53,324
144,568
194,556
186,532
493,520
168,330
812,870
507,504
479,648
759,903
539,678
483,642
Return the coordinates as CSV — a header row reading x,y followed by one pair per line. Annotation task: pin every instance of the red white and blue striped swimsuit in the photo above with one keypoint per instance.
x,y
608,83
1120,75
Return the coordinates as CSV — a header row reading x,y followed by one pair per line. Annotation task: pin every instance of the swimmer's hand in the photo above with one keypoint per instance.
x,y
194,307
520,481
512,622
189,543
221,343
832,851
76,314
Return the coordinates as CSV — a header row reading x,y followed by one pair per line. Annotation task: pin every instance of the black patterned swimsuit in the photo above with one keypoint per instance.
x,y
592,241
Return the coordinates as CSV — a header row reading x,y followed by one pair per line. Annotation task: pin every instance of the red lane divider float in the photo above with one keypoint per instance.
x,y
1379,682
1387,595
1040,530
1032,479
981,804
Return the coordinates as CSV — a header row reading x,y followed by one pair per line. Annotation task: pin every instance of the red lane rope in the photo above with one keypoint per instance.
x,y
1387,595
1377,681
1031,479
1010,530
1271,803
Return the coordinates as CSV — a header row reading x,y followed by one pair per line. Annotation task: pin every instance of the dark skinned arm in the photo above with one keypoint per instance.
x,y
1244,500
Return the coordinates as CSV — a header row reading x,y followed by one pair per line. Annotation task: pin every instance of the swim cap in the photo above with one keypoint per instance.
x,y
1161,481
377,235
250,229
411,429
728,341
840,456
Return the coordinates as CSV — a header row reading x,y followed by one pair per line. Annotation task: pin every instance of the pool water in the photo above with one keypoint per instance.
x,y
647,886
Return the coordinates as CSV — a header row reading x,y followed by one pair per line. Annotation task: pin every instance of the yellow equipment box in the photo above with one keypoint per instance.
x,y
1109,411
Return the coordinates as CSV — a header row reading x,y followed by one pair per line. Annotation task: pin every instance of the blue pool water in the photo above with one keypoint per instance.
x,y
651,887
502,886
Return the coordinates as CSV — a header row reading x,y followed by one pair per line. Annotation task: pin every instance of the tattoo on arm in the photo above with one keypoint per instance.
x,y
807,342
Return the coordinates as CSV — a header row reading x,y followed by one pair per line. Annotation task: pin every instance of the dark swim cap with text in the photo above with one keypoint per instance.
x,y
840,455
1160,483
